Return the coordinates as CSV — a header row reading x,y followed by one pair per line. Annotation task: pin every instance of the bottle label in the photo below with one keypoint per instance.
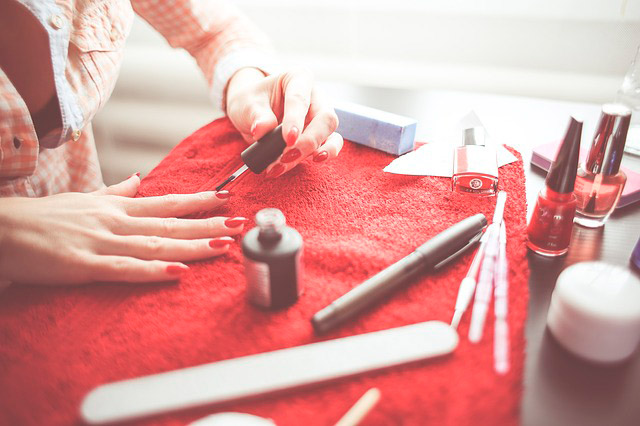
x,y
258,282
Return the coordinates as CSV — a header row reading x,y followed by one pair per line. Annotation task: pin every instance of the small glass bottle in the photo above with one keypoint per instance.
x,y
549,230
629,95
600,181
475,166
272,261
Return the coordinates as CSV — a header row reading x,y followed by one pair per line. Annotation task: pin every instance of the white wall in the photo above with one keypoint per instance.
x,y
567,49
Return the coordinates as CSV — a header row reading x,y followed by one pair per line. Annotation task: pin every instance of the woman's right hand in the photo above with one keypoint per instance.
x,y
107,235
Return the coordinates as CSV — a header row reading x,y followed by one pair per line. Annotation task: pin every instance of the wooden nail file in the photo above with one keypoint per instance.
x,y
268,372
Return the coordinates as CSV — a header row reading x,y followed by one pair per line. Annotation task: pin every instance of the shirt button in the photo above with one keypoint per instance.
x,y
57,22
76,135
17,142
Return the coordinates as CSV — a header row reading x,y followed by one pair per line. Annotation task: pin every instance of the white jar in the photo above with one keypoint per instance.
x,y
595,311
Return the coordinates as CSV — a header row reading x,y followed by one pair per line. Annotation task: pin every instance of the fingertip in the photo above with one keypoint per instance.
x,y
276,171
221,243
291,136
321,157
223,195
262,126
176,270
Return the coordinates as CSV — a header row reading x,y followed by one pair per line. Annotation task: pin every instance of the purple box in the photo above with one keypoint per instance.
x,y
377,129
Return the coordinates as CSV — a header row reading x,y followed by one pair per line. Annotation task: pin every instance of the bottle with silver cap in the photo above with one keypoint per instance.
x,y
272,261
600,181
475,166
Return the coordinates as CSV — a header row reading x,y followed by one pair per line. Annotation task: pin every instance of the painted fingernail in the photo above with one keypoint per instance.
x,y
135,174
177,270
320,157
223,195
254,127
291,155
220,242
234,222
292,137
276,171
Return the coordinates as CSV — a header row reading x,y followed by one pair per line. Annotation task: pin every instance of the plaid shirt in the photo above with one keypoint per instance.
x,y
86,39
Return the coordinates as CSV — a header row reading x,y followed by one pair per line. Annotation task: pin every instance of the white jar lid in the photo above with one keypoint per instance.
x,y
595,311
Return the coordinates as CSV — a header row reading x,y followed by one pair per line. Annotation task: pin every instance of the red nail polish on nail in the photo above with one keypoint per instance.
x,y
135,174
234,222
277,170
291,155
177,270
223,195
292,137
220,242
319,158
254,127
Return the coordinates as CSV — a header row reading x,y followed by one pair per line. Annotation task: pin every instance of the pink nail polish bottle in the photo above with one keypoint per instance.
x,y
475,167
600,181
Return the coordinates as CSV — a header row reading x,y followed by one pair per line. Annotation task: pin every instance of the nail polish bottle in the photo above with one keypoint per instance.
x,y
475,167
272,261
600,181
549,230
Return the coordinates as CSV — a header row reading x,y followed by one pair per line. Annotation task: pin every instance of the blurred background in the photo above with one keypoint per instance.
x,y
575,50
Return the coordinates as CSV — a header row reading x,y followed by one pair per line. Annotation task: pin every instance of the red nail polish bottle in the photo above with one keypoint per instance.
x,y
475,167
600,181
549,231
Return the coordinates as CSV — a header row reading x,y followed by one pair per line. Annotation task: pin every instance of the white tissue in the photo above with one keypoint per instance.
x,y
436,159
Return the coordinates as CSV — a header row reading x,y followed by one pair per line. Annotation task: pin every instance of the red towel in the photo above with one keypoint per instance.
x,y
56,344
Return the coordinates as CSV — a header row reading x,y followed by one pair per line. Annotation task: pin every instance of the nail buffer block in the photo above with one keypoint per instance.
x,y
377,129
267,372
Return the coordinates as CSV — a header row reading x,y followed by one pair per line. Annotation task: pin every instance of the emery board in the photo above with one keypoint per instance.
x,y
267,372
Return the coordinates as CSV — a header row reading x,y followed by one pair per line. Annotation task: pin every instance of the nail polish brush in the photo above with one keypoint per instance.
x,y
258,155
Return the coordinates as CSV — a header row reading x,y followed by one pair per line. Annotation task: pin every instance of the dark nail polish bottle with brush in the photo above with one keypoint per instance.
x,y
272,261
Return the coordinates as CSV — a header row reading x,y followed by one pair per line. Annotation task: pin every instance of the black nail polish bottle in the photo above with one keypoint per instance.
x,y
272,261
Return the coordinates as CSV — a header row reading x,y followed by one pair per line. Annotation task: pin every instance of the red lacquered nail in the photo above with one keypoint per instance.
x,y
277,170
234,222
177,270
220,242
223,195
292,137
321,157
135,174
291,155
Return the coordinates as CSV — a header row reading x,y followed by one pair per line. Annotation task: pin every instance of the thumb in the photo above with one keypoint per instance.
x,y
263,120
126,188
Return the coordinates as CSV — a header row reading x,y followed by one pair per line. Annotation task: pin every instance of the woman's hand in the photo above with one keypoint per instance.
x,y
76,238
256,104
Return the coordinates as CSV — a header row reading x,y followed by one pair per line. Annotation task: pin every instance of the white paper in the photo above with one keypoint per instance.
x,y
436,159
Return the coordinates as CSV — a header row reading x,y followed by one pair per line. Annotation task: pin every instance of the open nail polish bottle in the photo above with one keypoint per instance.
x,y
272,261
549,230
475,166
600,181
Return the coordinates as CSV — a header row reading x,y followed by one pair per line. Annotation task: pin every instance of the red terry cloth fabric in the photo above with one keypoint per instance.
x,y
59,343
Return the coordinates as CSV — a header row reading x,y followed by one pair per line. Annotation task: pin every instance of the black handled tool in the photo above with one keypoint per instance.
x,y
259,155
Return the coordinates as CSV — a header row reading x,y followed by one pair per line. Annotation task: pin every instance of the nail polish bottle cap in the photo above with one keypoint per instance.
x,y
271,223
474,136
562,175
607,147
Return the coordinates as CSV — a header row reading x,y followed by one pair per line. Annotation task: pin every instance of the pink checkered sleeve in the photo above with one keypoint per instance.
x,y
18,143
214,32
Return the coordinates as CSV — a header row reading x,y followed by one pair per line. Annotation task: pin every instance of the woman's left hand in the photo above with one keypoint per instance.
x,y
256,104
